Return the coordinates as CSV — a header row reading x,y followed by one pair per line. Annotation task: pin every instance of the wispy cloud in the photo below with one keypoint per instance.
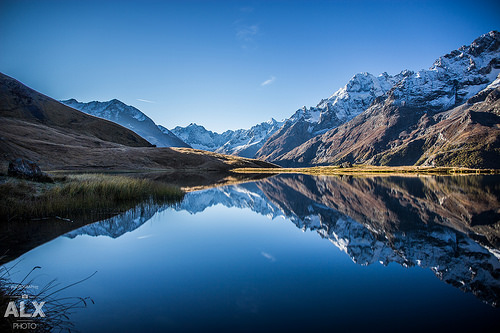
x,y
268,256
269,81
246,9
247,33
145,236
145,100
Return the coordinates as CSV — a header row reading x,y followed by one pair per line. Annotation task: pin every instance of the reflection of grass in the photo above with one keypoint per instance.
x,y
369,169
80,193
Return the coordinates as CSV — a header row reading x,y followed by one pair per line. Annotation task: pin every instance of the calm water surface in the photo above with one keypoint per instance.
x,y
291,253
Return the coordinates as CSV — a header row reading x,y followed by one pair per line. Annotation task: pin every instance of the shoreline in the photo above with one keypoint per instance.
x,y
369,170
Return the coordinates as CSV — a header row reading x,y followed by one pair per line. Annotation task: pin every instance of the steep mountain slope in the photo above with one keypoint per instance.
x,y
131,118
447,115
241,142
345,104
20,105
41,129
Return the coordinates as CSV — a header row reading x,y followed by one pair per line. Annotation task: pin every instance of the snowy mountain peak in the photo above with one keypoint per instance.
x,y
453,78
242,142
481,56
110,110
488,42
195,125
347,102
271,121
129,117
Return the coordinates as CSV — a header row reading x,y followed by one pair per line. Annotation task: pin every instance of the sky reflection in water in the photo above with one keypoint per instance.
x,y
259,256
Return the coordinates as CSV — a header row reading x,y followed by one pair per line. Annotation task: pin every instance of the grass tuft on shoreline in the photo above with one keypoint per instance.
x,y
76,194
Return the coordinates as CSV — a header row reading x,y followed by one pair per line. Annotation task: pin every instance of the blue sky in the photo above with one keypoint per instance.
x,y
225,64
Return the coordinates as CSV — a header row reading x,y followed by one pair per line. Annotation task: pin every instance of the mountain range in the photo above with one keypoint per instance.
x,y
241,142
446,115
244,143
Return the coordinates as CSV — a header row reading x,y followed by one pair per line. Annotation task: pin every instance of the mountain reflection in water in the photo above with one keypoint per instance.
x,y
449,224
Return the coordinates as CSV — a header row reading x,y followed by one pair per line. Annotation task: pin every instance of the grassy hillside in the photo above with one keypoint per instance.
x,y
55,136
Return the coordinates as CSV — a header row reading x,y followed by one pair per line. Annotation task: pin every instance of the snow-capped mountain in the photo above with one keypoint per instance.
x,y
244,143
453,78
400,126
345,104
200,138
131,118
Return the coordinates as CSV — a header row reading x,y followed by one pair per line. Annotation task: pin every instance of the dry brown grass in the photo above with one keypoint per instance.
x,y
76,194
369,170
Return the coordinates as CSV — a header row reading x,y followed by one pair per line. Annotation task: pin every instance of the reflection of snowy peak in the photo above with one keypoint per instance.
x,y
241,142
450,254
241,196
120,224
336,210
131,118
453,256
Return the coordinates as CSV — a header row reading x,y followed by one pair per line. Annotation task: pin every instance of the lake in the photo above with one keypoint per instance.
x,y
289,253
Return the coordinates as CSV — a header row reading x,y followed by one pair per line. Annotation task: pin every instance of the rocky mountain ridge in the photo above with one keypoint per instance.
x,y
428,117
345,104
447,115
242,142
131,118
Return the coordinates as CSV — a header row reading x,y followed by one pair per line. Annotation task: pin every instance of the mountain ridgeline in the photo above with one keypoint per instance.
x,y
58,137
447,115
242,142
131,118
